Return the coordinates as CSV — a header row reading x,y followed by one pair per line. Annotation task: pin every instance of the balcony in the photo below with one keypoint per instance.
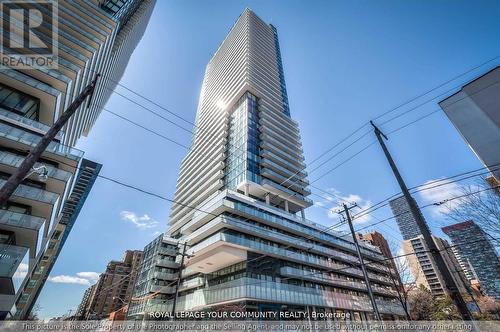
x,y
12,117
13,267
34,194
322,278
213,256
192,283
165,275
25,227
162,289
269,291
167,263
13,160
24,137
295,185
168,251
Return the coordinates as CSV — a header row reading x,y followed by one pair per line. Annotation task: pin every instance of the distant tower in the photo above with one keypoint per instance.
x,y
474,245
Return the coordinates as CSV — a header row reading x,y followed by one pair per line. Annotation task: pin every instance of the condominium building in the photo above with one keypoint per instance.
x,y
474,112
82,309
114,289
424,268
465,264
158,275
29,292
93,37
422,264
406,222
474,245
241,197
378,240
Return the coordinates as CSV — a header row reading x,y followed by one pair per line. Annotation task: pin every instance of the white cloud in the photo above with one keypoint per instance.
x,y
142,222
334,201
439,194
22,271
81,278
92,276
64,279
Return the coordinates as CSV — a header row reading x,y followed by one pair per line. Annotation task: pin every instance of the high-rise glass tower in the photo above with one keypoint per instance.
x,y
474,245
241,193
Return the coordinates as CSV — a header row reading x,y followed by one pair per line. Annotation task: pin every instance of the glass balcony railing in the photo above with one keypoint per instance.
x,y
14,160
162,289
167,263
192,283
165,275
35,194
303,229
291,193
270,291
286,254
167,251
25,137
321,277
20,220
13,264
299,186
287,173
26,121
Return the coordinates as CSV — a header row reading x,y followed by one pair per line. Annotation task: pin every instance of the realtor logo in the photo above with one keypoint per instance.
x,y
29,34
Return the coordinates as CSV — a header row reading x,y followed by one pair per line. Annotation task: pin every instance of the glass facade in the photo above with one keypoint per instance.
x,y
242,161
19,103
252,244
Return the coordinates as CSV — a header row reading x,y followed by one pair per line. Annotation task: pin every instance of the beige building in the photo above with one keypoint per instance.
x,y
115,286
424,269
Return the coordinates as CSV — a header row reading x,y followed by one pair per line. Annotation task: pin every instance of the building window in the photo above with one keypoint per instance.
x,y
20,103
242,162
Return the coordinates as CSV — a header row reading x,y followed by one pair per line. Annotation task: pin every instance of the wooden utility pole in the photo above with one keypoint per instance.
x,y
376,313
174,303
23,170
449,282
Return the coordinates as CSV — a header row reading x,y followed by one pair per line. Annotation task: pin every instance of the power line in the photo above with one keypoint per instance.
x,y
427,205
439,86
426,186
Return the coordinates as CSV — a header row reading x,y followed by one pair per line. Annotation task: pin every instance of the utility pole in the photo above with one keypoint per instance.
x,y
178,281
23,170
449,282
363,268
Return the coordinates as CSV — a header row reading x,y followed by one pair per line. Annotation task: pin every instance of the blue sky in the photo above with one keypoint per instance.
x,y
345,62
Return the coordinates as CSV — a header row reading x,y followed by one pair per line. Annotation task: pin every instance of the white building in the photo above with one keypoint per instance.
x,y
475,112
242,191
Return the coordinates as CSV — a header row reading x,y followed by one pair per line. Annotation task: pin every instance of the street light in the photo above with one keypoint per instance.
x,y
42,171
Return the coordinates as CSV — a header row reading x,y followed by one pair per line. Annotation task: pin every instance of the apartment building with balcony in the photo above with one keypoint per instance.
x,y
475,249
84,180
82,309
241,196
424,268
422,264
158,274
114,289
92,38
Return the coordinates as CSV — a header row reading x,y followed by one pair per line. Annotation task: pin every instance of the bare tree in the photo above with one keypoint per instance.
x,y
421,303
33,315
481,207
403,279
